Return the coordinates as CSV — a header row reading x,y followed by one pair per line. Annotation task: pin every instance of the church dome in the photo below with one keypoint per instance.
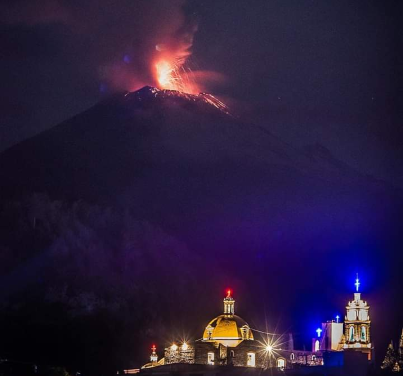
x,y
225,326
228,329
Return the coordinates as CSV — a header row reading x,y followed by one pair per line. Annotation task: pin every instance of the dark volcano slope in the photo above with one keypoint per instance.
x,y
258,214
185,163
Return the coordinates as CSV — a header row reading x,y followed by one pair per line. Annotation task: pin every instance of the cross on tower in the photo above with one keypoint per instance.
x,y
357,283
319,331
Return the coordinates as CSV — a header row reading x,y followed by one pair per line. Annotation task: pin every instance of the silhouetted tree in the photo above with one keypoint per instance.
x,y
390,358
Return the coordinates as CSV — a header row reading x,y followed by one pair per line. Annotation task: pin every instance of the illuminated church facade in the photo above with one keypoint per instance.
x,y
357,326
228,340
351,337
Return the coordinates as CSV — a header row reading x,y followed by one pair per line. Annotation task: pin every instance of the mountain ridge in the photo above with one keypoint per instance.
x,y
254,142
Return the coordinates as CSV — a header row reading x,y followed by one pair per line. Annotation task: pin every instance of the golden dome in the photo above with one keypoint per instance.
x,y
227,327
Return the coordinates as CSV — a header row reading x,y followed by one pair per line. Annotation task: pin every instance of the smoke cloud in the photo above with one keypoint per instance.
x,y
115,42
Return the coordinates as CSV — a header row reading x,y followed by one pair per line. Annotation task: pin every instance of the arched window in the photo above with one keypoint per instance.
x,y
232,353
251,360
317,345
351,335
210,358
363,333
281,363
245,332
209,330
292,356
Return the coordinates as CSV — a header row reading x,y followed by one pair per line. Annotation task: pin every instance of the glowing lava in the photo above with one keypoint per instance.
x,y
173,76
167,75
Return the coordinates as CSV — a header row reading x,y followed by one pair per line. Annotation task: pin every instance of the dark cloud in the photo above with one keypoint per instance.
x,y
116,40
22,12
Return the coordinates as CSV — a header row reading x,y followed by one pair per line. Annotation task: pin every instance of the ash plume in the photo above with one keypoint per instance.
x,y
116,43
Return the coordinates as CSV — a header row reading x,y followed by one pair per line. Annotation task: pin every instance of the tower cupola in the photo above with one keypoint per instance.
x,y
154,356
229,304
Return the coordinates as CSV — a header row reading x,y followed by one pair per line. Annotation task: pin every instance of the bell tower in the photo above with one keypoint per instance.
x,y
229,304
154,356
357,324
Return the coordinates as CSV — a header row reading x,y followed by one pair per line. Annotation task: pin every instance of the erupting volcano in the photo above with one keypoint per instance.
x,y
172,75
176,80
170,68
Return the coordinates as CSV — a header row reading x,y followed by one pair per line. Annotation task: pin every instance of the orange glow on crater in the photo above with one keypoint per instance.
x,y
173,76
166,75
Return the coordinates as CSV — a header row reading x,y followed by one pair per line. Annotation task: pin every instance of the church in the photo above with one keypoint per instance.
x,y
228,340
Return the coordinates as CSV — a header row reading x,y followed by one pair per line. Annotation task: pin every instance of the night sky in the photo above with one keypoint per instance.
x,y
310,71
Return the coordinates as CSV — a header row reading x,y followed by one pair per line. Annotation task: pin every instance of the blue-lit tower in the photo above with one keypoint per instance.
x,y
357,324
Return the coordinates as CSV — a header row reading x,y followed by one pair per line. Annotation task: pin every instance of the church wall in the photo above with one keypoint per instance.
x,y
240,354
300,357
201,352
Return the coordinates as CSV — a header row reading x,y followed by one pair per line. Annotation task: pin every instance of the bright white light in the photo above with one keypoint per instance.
x,y
269,348
174,347
185,346
357,283
337,318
